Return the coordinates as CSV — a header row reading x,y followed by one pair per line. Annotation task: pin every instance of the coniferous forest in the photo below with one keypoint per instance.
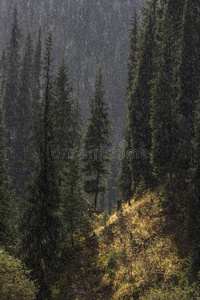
x,y
100,150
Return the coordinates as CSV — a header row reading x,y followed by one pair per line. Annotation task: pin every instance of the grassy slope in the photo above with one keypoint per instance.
x,y
137,248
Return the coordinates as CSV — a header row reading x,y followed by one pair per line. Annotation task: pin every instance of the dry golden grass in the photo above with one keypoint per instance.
x,y
135,250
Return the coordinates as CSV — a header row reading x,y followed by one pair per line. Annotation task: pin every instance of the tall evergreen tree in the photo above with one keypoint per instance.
x,y
193,203
71,196
5,188
11,90
41,222
188,99
164,111
3,68
193,198
188,76
125,178
132,51
64,109
37,68
24,115
139,102
97,143
75,212
67,126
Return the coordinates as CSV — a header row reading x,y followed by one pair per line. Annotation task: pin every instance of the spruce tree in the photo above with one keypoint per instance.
x,y
132,51
188,76
125,179
3,72
164,110
67,126
5,189
192,207
41,221
188,99
139,103
194,201
75,214
24,115
64,110
37,68
97,143
11,91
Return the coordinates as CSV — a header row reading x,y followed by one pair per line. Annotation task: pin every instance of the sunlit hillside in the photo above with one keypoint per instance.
x,y
140,254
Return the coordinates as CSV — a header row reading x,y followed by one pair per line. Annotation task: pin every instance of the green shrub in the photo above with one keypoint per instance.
x,y
14,279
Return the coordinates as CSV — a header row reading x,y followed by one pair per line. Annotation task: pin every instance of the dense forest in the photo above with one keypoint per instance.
x,y
100,150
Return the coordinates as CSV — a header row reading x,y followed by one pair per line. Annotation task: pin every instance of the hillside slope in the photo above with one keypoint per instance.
x,y
139,253
138,249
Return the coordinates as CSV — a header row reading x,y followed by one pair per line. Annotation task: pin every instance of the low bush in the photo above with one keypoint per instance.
x,y
15,283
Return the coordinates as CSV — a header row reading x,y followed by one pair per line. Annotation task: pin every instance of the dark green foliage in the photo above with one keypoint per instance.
x,y
97,143
75,207
10,93
12,79
164,111
41,222
188,75
125,178
24,116
5,189
132,51
64,111
193,201
37,69
139,103
67,123
3,68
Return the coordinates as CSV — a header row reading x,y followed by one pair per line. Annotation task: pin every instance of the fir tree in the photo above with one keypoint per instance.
x,y
41,222
75,214
125,179
37,68
139,103
67,127
164,111
5,188
193,204
3,68
64,110
188,76
132,51
193,198
24,114
11,90
96,143
11,86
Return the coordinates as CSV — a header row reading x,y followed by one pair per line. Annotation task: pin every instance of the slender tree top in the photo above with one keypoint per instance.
x,y
15,31
48,59
132,51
